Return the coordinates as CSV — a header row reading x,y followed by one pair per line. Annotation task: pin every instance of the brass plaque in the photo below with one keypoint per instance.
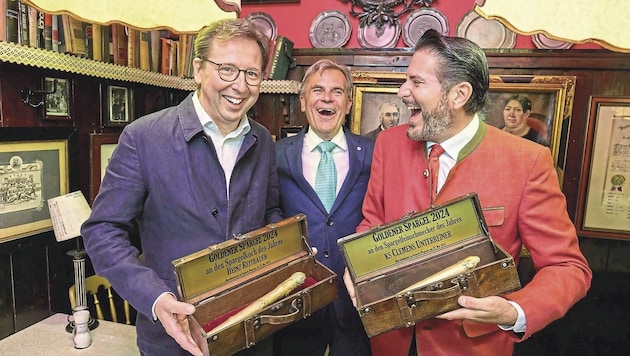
x,y
412,237
211,268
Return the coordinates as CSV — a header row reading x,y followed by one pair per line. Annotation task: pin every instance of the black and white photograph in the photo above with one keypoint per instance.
x,y
119,106
57,100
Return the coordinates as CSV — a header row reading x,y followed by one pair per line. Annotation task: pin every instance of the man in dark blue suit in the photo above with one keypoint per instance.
x,y
326,98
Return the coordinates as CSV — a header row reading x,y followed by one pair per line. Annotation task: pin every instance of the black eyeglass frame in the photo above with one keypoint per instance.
x,y
245,71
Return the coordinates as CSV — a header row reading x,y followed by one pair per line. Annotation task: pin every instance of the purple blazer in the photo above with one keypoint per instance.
x,y
165,179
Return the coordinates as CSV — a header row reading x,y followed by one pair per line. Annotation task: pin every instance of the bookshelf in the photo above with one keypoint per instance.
x,y
41,58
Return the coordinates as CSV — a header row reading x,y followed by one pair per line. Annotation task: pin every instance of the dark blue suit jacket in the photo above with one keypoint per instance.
x,y
297,196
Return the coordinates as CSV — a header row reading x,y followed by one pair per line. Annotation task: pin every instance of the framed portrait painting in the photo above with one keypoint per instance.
x,y
551,101
604,198
374,97
31,172
57,98
119,106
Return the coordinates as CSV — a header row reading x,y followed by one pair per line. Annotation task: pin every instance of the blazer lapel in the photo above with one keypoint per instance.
x,y
356,157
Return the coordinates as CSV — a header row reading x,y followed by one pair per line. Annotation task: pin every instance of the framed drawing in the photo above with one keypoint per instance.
x,y
119,106
57,98
371,91
102,147
31,172
604,197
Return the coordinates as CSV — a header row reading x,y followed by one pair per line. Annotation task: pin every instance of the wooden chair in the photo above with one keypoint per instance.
x,y
92,286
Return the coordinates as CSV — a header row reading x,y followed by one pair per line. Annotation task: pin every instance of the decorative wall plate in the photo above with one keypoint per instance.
x,y
486,33
265,23
421,20
330,29
369,36
543,42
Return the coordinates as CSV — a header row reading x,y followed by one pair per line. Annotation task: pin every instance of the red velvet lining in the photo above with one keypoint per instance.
x,y
309,281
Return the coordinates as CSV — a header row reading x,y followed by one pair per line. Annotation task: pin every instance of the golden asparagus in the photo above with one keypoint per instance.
x,y
282,290
461,266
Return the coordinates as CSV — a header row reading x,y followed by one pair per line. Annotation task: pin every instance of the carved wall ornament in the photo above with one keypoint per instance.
x,y
383,13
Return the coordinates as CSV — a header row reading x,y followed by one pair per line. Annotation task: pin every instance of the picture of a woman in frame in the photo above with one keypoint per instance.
x,y
528,115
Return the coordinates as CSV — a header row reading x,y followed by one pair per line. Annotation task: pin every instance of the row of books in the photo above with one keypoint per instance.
x,y
161,51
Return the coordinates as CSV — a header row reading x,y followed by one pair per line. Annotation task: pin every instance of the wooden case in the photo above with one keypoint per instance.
x,y
387,260
224,278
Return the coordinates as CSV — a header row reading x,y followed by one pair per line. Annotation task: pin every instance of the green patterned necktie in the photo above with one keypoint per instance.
x,y
326,179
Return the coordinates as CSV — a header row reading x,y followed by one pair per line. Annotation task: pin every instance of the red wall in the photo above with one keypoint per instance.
x,y
294,20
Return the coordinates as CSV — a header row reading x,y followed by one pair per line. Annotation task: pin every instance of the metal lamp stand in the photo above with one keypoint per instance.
x,y
78,259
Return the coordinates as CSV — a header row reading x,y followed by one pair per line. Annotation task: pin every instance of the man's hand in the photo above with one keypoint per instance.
x,y
347,280
174,317
489,310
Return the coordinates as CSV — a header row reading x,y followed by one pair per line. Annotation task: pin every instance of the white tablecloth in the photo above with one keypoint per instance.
x,y
49,337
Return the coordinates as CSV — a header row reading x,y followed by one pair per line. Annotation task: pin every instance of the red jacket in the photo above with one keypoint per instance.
x,y
520,194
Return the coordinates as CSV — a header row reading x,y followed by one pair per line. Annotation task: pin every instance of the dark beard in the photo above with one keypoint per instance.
x,y
435,122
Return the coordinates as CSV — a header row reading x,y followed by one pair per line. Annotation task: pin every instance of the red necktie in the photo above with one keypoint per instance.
x,y
434,168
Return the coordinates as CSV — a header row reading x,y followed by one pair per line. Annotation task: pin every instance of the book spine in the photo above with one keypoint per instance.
x,y
119,44
65,34
78,37
132,35
3,20
32,26
23,24
281,59
55,32
88,39
48,31
12,16
167,52
155,50
106,43
145,62
97,46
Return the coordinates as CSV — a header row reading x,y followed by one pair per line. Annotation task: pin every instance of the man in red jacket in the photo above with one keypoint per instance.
x,y
518,188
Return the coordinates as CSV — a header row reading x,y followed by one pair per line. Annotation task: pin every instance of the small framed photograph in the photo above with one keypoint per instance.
x,y
57,99
119,106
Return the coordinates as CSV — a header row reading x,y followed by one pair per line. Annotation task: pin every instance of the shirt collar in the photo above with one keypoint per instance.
x,y
312,140
455,144
207,122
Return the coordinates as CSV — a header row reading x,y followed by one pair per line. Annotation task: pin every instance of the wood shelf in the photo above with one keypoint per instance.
x,y
41,58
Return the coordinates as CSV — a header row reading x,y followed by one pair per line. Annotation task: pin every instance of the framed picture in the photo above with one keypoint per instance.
x,y
57,98
119,106
604,197
102,147
288,131
551,99
31,172
371,91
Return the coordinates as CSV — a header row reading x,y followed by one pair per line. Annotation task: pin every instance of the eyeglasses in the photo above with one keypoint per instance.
x,y
229,73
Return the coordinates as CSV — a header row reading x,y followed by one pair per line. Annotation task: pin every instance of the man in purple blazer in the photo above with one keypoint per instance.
x,y
326,98
187,177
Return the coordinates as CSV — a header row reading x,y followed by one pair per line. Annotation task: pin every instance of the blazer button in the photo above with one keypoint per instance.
x,y
326,254
330,223
215,212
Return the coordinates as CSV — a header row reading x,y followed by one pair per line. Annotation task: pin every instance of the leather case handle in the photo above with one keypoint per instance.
x,y
300,308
